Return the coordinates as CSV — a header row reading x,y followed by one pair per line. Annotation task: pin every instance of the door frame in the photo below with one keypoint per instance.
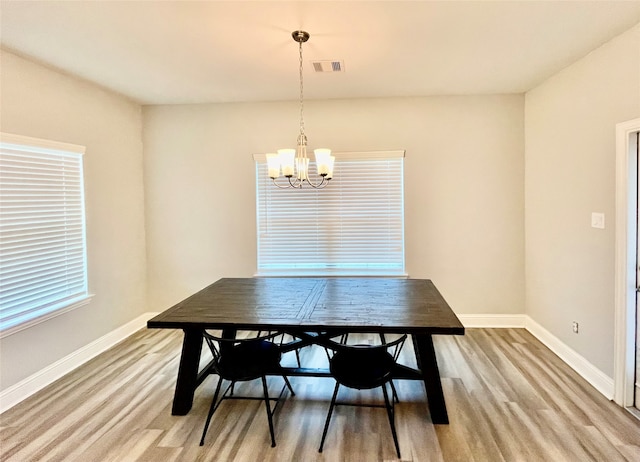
x,y
625,263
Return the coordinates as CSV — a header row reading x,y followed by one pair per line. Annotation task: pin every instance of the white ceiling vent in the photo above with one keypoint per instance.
x,y
328,66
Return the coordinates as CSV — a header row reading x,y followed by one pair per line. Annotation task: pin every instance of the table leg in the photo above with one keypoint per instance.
x,y
187,372
426,359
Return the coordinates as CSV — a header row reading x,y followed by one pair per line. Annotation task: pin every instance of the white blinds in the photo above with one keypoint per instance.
x,y
354,226
42,228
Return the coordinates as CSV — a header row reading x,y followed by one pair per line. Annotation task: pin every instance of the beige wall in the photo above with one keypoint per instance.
x,y
463,185
41,103
570,173
468,179
482,173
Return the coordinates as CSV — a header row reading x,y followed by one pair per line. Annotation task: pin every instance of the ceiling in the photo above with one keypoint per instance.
x,y
172,52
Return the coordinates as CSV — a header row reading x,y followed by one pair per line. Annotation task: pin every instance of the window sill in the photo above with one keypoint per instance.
x,y
342,274
64,308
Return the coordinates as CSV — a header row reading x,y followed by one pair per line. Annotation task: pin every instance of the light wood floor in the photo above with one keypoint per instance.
x,y
509,399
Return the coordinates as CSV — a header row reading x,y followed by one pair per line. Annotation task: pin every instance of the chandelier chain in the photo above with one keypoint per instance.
x,y
301,97
294,163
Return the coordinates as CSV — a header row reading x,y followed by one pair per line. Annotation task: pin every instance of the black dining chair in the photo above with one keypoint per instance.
x,y
344,338
281,342
241,360
364,367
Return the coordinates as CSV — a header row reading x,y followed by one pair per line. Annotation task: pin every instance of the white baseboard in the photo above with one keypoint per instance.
x,y
22,390
27,387
598,379
492,320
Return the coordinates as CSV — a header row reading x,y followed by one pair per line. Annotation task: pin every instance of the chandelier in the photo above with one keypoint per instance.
x,y
293,164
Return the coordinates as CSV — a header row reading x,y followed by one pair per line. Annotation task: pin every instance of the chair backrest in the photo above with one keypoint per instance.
x,y
243,358
364,366
394,347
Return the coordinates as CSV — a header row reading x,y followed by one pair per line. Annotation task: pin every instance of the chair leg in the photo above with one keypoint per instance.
x,y
326,424
394,392
286,380
383,339
391,415
212,409
269,415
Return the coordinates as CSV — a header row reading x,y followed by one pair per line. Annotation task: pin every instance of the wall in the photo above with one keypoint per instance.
x,y
466,219
463,187
569,173
42,103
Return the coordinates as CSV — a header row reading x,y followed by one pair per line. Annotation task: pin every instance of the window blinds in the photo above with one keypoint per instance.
x,y
354,226
42,228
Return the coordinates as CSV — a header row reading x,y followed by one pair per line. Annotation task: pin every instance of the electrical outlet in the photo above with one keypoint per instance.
x,y
575,327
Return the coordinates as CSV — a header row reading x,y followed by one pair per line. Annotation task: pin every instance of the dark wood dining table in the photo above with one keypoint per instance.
x,y
313,309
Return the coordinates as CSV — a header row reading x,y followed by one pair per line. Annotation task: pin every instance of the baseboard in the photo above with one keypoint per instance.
x,y
27,387
492,320
598,379
22,390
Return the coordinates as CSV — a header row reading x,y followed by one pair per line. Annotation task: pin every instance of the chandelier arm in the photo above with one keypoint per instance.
x,y
298,184
285,186
323,183
295,183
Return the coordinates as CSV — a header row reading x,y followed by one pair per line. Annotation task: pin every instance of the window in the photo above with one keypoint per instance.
x,y
43,263
354,226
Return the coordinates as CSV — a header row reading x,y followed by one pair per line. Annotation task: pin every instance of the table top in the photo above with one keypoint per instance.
x,y
315,304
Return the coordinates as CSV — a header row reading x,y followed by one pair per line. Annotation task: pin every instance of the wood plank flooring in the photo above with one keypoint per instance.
x,y
509,399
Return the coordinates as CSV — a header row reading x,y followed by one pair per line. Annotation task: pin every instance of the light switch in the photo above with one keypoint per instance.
x,y
597,220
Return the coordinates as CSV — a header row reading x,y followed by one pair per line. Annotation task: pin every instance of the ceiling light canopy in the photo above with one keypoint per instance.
x,y
293,164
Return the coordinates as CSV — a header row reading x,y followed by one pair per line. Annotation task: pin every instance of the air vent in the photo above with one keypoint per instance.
x,y
328,66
